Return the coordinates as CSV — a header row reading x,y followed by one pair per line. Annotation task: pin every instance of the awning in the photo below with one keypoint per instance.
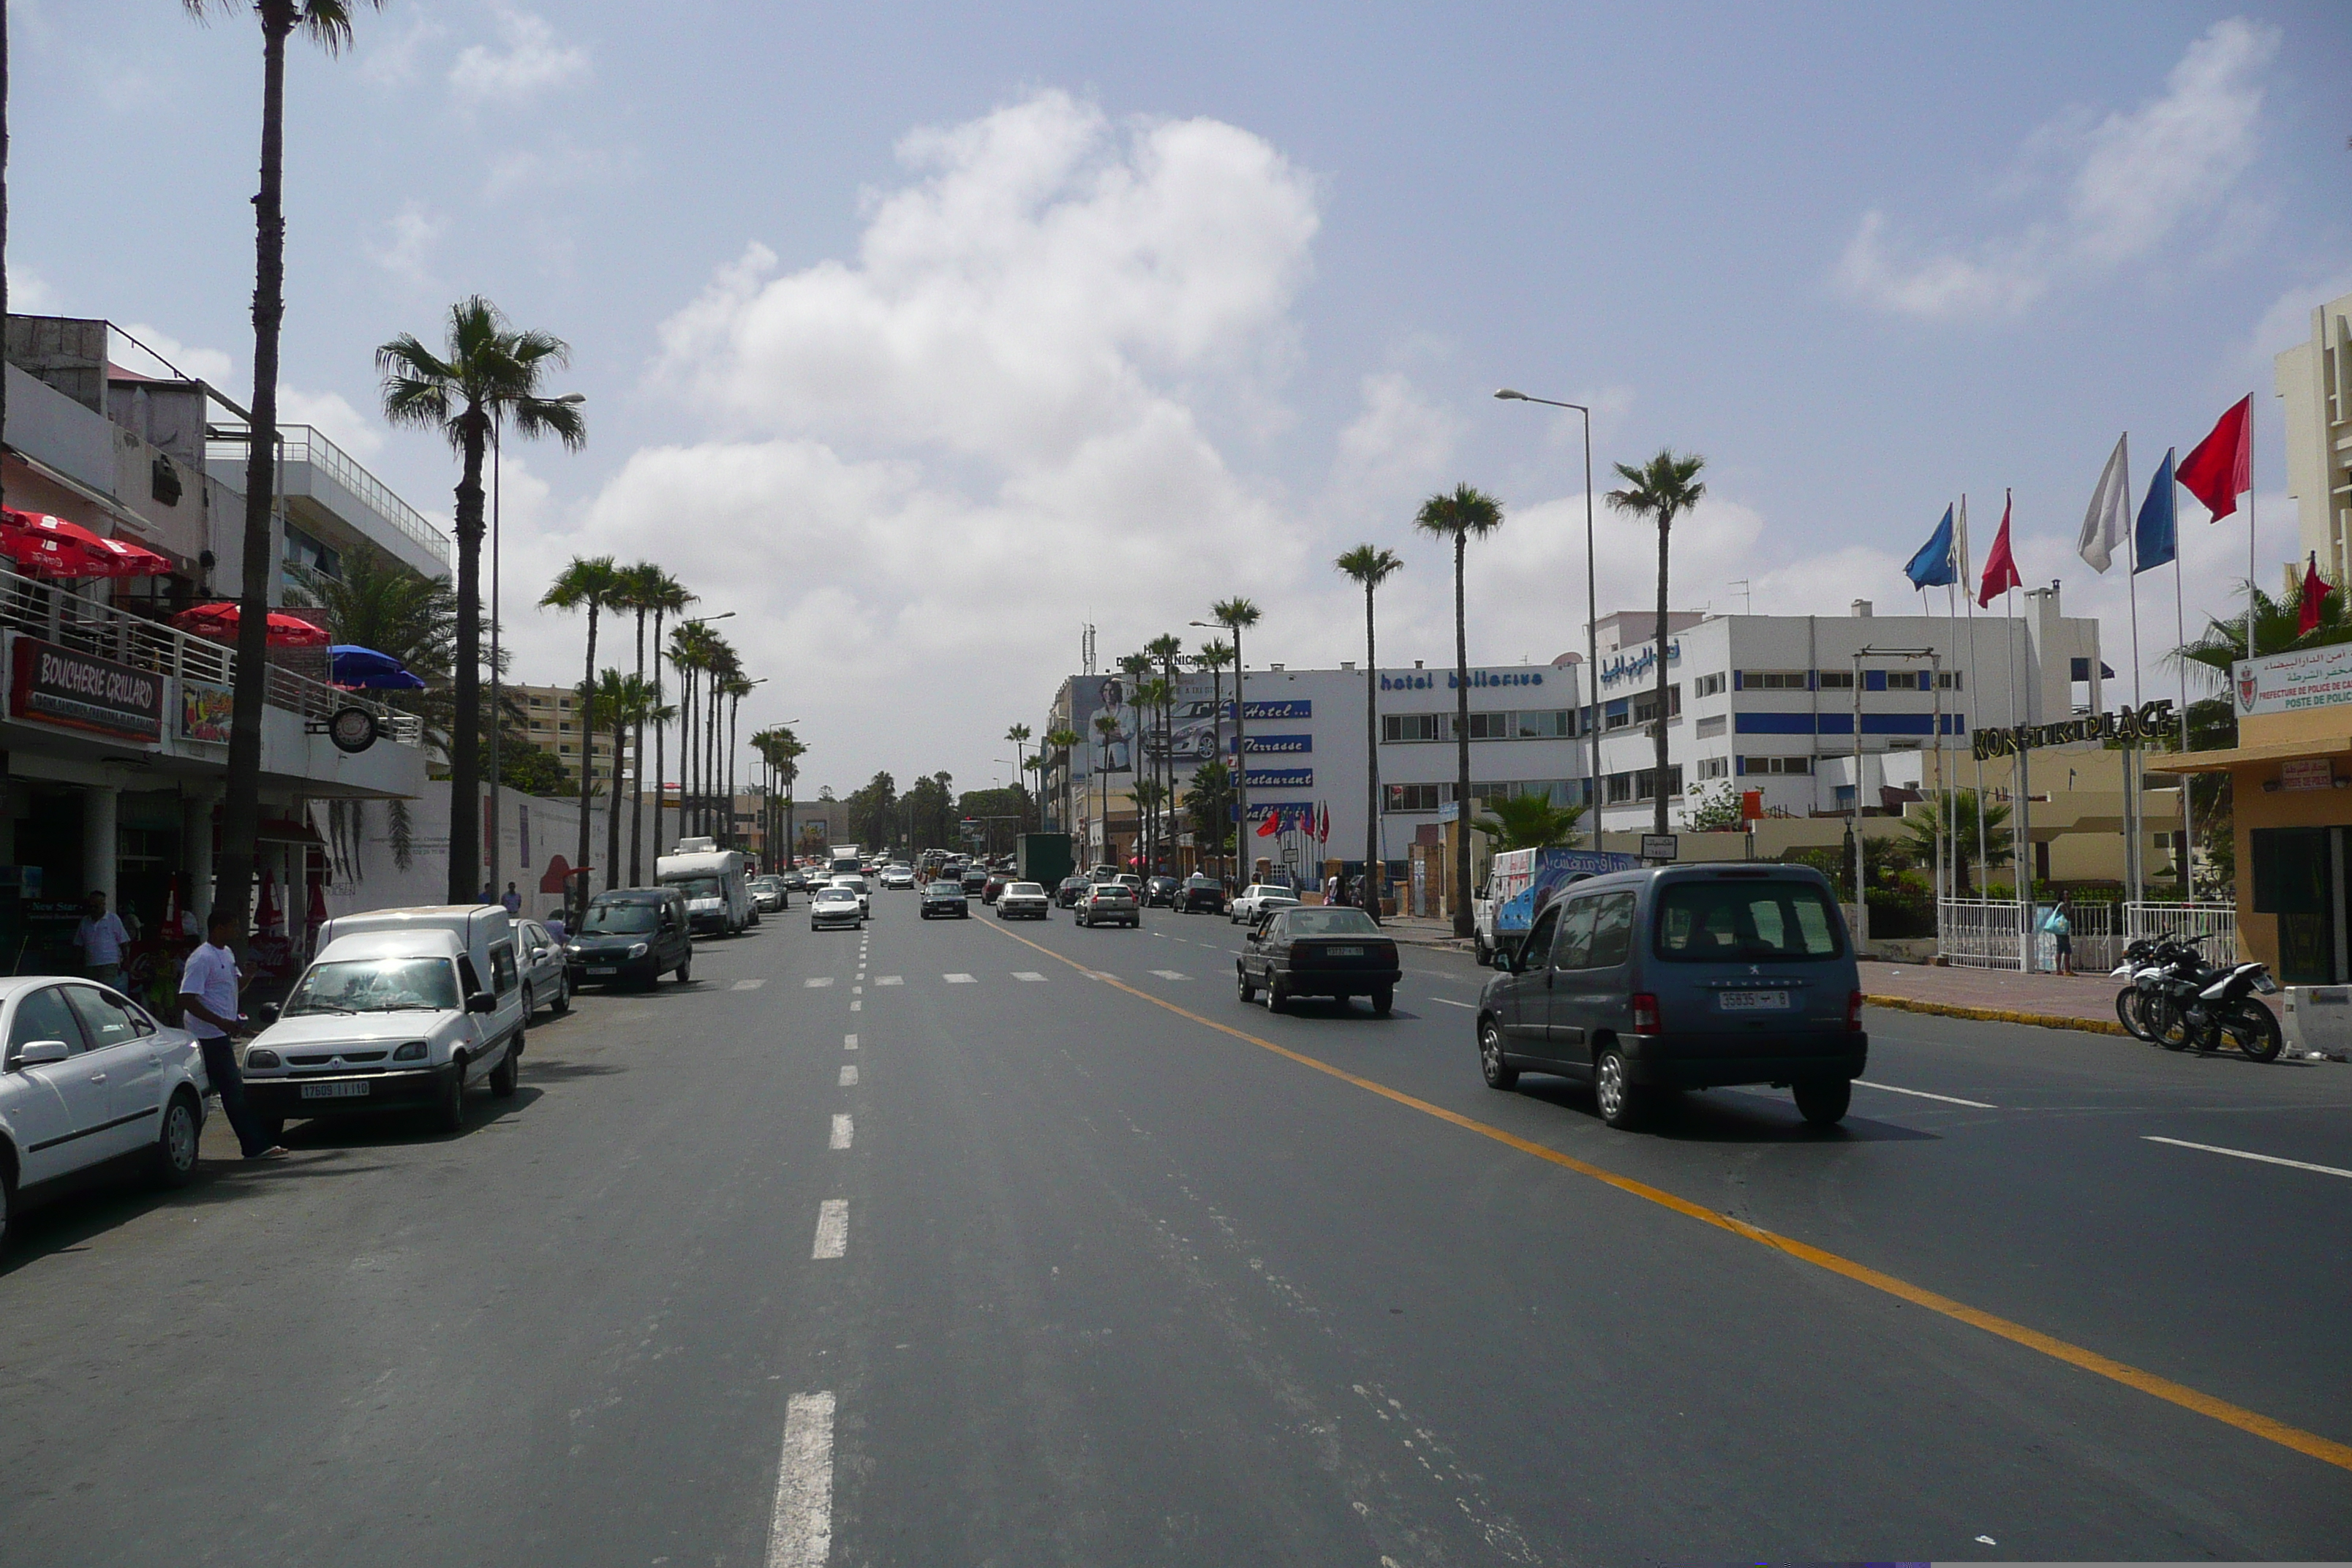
x,y
2244,757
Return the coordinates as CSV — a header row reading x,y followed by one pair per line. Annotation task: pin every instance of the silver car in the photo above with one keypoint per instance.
x,y
545,983
1023,900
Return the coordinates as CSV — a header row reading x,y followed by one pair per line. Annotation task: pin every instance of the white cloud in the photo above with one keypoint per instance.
x,y
530,61
1397,451
2137,180
331,413
389,57
2288,321
406,250
186,359
29,294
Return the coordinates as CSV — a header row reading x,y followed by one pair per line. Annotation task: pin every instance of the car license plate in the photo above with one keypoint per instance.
x,y
1345,951
603,969
335,1091
1755,1001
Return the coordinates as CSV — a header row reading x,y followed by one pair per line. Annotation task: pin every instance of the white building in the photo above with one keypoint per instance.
x,y
2315,382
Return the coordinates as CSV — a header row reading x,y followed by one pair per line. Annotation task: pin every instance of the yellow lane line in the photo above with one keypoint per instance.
x,y
2325,1450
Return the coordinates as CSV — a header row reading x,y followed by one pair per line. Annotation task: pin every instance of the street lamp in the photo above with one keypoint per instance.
x,y
1592,604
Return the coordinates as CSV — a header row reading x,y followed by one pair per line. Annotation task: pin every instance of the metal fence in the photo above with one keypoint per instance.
x,y
305,444
1983,933
2216,923
1979,933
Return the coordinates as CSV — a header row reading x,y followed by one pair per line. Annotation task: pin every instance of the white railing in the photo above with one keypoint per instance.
x,y
303,444
1985,933
1981,933
2218,923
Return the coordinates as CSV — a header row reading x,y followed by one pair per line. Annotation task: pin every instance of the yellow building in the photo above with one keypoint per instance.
x,y
552,722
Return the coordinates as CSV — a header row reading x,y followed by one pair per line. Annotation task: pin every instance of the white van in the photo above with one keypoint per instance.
x,y
401,1008
717,893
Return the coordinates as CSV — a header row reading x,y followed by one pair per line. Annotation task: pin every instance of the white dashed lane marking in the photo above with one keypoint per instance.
x,y
889,980
1923,1094
1029,975
849,1077
857,1006
1449,1002
2247,1155
831,1229
1171,974
842,1132
747,985
816,981
959,979
849,1042
800,1525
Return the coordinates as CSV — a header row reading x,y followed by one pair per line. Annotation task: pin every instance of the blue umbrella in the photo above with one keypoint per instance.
x,y
373,671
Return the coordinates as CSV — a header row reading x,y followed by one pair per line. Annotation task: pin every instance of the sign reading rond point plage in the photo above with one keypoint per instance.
x,y
2291,682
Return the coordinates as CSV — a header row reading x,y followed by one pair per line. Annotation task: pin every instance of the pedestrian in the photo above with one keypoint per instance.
x,y
555,926
2062,929
100,936
1331,889
208,988
512,900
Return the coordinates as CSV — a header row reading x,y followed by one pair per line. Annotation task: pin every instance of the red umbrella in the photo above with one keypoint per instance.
x,y
62,549
220,622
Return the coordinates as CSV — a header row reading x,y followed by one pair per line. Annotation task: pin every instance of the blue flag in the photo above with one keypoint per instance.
x,y
1936,566
2155,536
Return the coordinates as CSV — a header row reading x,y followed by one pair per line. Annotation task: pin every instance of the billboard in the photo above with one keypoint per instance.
x,y
2288,682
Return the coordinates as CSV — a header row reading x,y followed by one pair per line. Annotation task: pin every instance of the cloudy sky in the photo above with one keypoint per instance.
x,y
922,337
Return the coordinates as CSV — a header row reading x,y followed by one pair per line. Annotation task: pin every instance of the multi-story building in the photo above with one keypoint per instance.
x,y
2314,381
552,722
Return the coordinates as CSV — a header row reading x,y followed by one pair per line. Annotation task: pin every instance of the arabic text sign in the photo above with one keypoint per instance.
x,y
2289,682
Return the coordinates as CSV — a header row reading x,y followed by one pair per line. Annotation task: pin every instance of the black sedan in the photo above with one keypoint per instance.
x,y
1301,951
1159,893
1072,889
944,897
1202,895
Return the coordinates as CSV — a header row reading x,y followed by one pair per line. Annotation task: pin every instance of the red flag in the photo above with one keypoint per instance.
x,y
2000,566
1271,825
2220,467
2315,596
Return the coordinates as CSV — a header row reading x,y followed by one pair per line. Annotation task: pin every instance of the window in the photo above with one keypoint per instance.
x,y
1645,707
1616,716
1744,921
1490,726
107,1020
503,967
1613,931
1772,679
1714,767
1645,782
1413,727
1948,680
1837,680
1542,725
1411,797
1621,788
375,985
1573,950
1709,686
44,1015
1710,728
1776,764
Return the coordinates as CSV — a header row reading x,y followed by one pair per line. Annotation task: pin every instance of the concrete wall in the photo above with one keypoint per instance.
x,y
368,874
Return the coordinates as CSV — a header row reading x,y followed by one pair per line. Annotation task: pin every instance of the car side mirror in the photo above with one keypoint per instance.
x,y
481,1002
1503,961
269,1012
39,1053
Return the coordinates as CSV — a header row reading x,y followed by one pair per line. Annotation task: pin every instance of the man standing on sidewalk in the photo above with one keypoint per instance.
x,y
100,936
208,989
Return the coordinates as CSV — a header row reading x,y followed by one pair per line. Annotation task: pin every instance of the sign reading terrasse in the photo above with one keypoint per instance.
x,y
53,685
2149,721
2287,682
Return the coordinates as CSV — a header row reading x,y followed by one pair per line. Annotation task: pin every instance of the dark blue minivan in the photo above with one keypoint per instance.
x,y
1644,983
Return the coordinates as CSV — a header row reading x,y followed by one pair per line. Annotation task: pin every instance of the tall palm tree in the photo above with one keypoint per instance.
x,y
737,688
1237,615
692,649
669,597
1107,728
1528,822
1466,514
1019,735
621,703
487,376
724,668
1166,651
589,583
1214,656
1661,489
1371,565
328,24
1060,738
640,590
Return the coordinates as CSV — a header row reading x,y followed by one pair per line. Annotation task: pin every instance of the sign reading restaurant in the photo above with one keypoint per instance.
x,y
2285,682
53,685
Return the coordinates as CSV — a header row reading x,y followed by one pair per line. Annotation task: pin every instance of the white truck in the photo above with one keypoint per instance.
x,y
1521,882
718,892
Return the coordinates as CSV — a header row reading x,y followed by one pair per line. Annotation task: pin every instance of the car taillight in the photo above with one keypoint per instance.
x,y
1853,1012
1645,1015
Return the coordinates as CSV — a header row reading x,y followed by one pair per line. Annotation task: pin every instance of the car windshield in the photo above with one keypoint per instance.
x,y
620,919
1332,923
1113,894
1026,890
695,886
375,985
1746,920
836,896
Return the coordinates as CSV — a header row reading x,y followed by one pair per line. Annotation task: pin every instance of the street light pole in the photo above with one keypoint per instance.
x,y
1591,610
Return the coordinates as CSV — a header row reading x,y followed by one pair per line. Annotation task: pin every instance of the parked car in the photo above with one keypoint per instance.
x,y
402,1009
546,977
944,896
1132,883
994,888
632,936
834,905
796,880
1022,901
1644,983
898,876
1159,892
1072,889
1202,895
1337,953
767,894
1259,900
1110,903
89,1078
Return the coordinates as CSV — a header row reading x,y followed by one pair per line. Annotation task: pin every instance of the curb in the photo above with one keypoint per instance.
x,y
1999,1014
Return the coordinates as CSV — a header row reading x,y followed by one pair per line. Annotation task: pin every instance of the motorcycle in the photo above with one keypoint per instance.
x,y
2182,1003
2228,1014
2164,974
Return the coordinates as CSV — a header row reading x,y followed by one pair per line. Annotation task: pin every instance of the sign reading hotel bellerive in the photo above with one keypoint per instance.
x,y
53,685
2285,682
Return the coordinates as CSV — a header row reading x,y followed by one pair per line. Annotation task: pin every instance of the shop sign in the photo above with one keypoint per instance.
x,y
58,685
1281,778
1275,708
2286,682
2149,721
1638,663
205,711
2307,773
1426,680
1277,745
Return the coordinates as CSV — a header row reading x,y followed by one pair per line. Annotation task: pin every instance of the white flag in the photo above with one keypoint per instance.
x,y
2108,523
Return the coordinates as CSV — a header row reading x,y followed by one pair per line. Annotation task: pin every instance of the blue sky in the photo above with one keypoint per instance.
x,y
919,337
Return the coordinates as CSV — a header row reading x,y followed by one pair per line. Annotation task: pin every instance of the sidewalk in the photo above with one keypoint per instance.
x,y
2052,1001
1421,932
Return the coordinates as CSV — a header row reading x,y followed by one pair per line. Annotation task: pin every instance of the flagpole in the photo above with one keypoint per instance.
x,y
2250,525
1943,757
2134,871
1967,572
2188,799
2018,821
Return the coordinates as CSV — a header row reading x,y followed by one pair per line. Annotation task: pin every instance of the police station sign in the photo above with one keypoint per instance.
x,y
53,685
2288,682
2149,721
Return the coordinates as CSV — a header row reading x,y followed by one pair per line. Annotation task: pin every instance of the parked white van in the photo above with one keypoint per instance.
x,y
401,1008
718,894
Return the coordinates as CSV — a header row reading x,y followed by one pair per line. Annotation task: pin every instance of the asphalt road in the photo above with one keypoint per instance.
x,y
957,1243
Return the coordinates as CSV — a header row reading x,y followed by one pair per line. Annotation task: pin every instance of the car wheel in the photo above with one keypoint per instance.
x,y
684,970
8,1204
1498,1073
529,1005
1822,1102
1621,1103
1278,994
449,1105
562,1003
1384,1001
507,1074
175,1143
1486,955
1243,985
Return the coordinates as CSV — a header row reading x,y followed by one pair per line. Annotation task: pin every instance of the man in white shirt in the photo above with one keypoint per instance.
x,y
101,938
208,989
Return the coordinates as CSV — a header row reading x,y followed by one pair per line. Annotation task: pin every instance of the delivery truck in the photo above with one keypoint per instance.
x,y
1522,883
1044,859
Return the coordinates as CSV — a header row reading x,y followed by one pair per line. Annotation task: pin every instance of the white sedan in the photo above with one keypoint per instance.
x,y
856,885
89,1077
1259,900
835,907
898,876
1023,900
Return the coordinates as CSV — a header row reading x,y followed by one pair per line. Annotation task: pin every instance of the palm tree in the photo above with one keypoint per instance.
x,y
1528,822
487,374
621,702
1924,824
1661,489
1371,565
1106,726
1061,739
693,651
1237,614
589,583
738,686
328,24
1214,656
1019,735
1166,651
669,597
641,586
1467,513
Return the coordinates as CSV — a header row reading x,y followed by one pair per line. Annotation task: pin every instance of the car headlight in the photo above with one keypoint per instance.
x,y
573,949
410,1051
638,950
259,1058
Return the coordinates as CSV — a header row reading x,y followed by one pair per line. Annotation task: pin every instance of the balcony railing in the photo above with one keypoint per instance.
x,y
304,444
86,625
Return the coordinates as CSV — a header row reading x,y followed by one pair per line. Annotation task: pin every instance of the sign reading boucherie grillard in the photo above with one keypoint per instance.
x,y
2149,721
53,685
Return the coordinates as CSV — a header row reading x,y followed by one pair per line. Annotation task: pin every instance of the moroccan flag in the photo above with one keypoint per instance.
x,y
1271,825
2315,596
2220,469
2000,566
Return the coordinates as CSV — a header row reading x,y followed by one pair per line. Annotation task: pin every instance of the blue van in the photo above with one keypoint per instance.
x,y
1644,983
